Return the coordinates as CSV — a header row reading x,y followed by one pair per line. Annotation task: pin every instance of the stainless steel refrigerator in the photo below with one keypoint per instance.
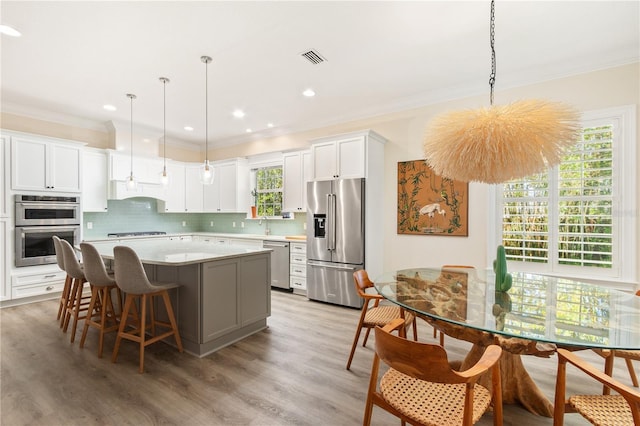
x,y
335,240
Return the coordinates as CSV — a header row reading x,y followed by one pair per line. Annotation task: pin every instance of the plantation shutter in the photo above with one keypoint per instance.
x,y
565,216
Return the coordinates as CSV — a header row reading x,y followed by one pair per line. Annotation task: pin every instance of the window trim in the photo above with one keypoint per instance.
x,y
625,206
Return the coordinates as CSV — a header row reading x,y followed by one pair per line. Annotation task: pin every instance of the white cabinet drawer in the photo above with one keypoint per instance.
x,y
298,248
299,270
40,278
298,282
298,258
36,289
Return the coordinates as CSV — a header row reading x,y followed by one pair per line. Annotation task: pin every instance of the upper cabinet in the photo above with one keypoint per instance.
x,y
40,165
193,189
174,201
4,176
94,180
350,155
146,173
296,174
229,192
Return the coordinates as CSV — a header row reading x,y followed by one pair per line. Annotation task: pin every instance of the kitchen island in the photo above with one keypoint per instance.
x,y
224,294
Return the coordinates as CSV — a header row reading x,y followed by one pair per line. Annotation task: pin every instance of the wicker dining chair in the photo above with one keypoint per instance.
x,y
619,410
421,388
374,314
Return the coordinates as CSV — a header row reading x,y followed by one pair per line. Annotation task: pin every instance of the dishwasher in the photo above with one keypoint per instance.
x,y
279,263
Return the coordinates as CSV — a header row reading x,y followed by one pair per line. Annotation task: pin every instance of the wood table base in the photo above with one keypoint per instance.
x,y
517,386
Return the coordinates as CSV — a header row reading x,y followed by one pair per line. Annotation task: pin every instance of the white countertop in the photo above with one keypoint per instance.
x,y
261,237
175,252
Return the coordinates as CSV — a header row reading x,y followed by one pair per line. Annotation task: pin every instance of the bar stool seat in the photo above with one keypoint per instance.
x,y
132,279
101,311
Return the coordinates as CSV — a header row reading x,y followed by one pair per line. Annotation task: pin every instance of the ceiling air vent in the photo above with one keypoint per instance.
x,y
313,56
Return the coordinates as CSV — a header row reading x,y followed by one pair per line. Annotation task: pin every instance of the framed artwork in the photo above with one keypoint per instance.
x,y
429,204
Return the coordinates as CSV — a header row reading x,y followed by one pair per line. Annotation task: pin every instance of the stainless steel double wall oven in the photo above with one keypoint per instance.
x,y
37,219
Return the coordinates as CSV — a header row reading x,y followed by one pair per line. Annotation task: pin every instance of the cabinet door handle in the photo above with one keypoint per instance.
x,y
50,276
49,288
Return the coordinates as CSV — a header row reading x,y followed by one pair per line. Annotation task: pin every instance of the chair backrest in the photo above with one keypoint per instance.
x,y
130,274
420,360
59,253
362,281
71,264
94,269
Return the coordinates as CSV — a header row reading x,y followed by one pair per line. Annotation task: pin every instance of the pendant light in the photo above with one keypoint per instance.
x,y
164,176
132,184
206,173
500,143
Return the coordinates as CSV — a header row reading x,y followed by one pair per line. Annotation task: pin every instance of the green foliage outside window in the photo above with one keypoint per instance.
x,y
268,191
576,201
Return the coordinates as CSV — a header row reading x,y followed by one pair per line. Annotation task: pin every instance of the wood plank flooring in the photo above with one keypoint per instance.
x,y
292,373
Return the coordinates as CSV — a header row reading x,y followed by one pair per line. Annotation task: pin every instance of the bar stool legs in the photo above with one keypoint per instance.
x,y
138,334
101,306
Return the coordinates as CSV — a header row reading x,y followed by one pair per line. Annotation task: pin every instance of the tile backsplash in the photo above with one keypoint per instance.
x,y
141,214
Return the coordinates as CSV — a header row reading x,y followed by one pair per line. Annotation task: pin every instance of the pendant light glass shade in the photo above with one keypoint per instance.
x,y
132,184
206,171
164,176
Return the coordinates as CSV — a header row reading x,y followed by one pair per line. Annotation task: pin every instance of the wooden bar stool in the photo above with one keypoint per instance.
x,y
101,310
132,279
78,303
66,290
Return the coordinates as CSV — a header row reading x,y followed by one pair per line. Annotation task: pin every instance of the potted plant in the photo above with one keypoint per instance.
x,y
254,193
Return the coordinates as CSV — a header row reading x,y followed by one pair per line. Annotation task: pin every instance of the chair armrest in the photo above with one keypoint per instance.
x,y
372,296
600,376
394,325
490,356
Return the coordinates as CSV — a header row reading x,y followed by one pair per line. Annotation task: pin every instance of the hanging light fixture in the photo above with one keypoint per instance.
x,y
500,143
206,173
164,177
132,184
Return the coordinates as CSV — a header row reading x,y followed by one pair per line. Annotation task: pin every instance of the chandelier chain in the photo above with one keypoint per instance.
x,y
492,34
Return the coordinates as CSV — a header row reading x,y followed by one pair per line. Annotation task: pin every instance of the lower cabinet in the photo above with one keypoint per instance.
x,y
298,265
29,284
218,302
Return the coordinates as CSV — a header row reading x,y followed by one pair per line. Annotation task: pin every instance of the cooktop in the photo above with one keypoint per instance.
x,y
134,234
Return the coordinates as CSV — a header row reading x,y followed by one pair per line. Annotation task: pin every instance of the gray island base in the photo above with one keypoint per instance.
x,y
224,294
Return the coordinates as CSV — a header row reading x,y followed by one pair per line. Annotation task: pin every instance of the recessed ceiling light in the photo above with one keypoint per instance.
x,y
10,31
269,124
309,93
238,113
249,130
109,107
188,128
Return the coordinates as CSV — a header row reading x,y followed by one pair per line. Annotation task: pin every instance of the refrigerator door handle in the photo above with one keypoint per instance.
x,y
329,266
331,222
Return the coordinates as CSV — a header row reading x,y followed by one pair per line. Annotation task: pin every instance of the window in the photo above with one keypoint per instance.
x,y
575,218
268,191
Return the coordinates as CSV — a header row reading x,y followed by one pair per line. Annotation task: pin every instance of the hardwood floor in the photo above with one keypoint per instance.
x,y
291,373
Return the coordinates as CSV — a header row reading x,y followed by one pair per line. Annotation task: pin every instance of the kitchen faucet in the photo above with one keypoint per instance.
x,y
267,231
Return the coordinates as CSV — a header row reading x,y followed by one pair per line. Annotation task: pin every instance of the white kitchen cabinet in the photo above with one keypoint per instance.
x,y
229,192
94,180
342,158
36,281
298,267
296,174
145,169
175,192
4,176
5,289
193,189
245,242
42,165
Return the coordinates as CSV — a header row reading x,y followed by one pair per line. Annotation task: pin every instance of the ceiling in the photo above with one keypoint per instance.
x,y
75,57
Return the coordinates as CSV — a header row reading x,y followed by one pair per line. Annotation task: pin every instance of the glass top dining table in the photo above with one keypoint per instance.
x,y
561,311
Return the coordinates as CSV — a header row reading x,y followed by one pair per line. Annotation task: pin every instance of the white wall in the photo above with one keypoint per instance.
x,y
404,130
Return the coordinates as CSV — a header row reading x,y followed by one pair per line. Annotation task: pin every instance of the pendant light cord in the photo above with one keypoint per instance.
x,y
164,122
206,109
492,35
131,97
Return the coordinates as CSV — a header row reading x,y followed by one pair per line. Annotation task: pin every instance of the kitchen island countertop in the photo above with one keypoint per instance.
x,y
175,252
